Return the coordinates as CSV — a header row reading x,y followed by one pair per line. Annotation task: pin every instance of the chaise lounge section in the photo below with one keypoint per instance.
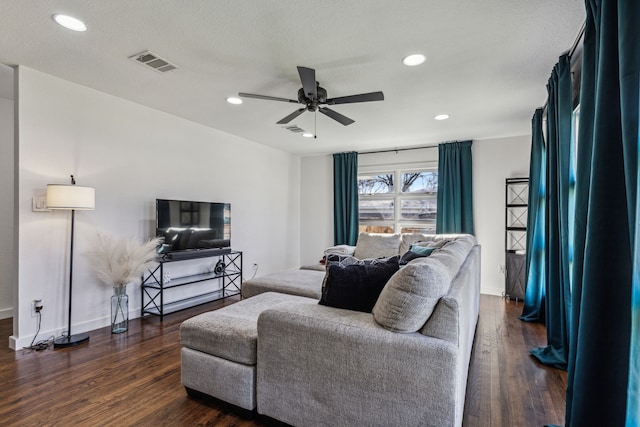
x,y
219,350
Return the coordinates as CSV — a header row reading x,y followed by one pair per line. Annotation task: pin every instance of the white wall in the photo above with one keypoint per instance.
x,y
493,161
132,155
316,207
7,249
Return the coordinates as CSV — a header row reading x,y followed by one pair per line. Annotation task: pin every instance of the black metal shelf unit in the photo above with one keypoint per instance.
x,y
515,236
154,285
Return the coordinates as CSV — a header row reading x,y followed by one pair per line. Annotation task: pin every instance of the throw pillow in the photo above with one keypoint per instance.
x,y
416,252
422,250
438,244
411,238
356,286
345,260
371,245
409,298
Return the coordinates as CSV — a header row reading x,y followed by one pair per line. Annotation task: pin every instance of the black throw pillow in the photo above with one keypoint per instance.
x,y
357,286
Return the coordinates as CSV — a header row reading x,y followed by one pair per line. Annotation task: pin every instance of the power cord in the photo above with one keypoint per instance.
x,y
255,271
43,344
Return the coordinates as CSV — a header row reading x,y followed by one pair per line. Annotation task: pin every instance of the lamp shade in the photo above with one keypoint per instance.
x,y
60,196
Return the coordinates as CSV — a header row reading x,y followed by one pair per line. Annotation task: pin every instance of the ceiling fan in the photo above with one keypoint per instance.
x,y
312,96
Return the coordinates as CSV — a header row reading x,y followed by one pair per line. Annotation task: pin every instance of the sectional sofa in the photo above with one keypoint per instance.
x,y
305,363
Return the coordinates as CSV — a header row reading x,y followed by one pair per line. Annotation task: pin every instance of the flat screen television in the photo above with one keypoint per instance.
x,y
193,226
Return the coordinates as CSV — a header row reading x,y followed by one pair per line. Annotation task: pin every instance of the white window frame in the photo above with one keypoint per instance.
x,y
397,223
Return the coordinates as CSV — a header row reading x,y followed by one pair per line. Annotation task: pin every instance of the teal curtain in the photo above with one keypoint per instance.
x,y
556,239
633,389
455,192
345,198
602,384
534,298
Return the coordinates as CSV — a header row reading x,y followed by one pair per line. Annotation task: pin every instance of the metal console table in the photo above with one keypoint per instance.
x,y
154,284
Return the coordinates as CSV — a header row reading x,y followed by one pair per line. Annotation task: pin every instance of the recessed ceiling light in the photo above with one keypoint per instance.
x,y
70,23
307,135
441,117
234,100
413,60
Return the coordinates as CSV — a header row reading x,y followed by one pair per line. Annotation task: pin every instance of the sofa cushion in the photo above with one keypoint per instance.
x,y
410,296
372,245
414,252
315,267
306,283
230,332
409,239
434,244
453,254
356,284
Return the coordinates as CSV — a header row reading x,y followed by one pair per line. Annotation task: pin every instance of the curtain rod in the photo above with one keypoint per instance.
x,y
570,52
574,46
397,150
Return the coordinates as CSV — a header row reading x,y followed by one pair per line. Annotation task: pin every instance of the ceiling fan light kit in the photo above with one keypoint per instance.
x,y
313,97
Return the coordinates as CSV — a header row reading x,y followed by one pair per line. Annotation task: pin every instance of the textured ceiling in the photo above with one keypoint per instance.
x,y
487,62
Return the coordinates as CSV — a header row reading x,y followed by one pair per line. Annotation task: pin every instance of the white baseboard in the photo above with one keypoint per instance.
x,y
492,291
18,343
5,313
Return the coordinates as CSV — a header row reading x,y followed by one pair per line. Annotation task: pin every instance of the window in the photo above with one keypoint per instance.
x,y
398,200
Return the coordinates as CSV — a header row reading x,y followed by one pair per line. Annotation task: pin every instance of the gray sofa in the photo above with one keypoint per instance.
x,y
405,363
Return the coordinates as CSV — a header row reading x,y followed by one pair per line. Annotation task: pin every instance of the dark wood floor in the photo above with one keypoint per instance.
x,y
134,378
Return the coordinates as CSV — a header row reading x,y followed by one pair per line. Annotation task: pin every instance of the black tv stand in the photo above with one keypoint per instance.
x,y
196,253
154,284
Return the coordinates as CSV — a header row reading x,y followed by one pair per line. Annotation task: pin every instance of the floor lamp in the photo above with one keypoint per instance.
x,y
70,197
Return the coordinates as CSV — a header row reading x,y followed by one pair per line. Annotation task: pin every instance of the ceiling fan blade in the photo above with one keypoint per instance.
x,y
336,116
291,116
268,98
308,79
363,97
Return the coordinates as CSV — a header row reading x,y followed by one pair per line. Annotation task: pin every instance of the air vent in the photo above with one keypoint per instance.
x,y
294,129
153,61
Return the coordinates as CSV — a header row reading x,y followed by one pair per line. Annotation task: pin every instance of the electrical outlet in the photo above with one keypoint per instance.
x,y
36,307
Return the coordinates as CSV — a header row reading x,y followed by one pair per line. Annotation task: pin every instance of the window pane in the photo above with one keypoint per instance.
x,y
419,209
375,184
376,209
426,229
386,229
419,182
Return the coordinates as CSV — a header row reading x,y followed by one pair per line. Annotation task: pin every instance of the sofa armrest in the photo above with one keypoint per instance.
x,y
319,365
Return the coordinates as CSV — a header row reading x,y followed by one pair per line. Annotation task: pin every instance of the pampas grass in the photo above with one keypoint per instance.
x,y
118,261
